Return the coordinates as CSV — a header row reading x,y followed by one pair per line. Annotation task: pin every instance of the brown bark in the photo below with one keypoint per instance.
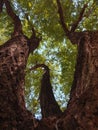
x,y
82,111
15,18
13,59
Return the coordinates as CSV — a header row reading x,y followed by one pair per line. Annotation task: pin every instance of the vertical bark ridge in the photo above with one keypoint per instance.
x,y
86,60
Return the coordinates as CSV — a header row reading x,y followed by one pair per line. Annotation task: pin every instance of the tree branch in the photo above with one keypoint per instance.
x,y
90,10
61,15
75,25
38,66
16,20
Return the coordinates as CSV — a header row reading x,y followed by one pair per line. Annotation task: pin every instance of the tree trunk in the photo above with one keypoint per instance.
x,y
13,59
82,110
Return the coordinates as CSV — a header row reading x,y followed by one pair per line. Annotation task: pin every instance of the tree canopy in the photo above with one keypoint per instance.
x,y
55,49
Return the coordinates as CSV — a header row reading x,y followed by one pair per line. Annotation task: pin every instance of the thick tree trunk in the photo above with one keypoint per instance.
x,y
82,111
13,59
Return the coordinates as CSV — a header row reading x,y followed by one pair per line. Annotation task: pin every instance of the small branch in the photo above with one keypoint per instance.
x,y
16,20
61,15
90,10
75,25
38,66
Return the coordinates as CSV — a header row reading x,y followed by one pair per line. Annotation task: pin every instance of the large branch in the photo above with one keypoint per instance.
x,y
16,20
61,15
75,25
71,34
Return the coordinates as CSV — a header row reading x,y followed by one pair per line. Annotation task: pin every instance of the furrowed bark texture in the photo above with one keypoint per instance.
x,y
82,110
13,59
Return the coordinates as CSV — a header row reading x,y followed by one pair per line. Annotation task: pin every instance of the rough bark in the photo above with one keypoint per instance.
x,y
13,59
82,110
15,18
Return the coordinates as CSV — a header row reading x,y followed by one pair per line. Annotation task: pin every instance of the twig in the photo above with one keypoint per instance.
x,y
90,10
75,25
38,66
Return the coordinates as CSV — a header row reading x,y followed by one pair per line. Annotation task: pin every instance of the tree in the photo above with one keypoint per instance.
x,y
82,109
